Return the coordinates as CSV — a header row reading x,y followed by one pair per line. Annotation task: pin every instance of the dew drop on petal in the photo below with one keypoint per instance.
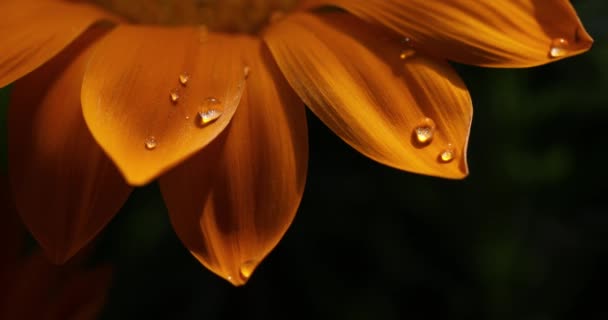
x,y
174,96
448,154
211,111
407,53
247,269
151,143
183,78
559,48
425,131
246,71
407,41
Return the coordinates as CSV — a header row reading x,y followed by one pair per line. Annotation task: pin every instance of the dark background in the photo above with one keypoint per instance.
x,y
523,237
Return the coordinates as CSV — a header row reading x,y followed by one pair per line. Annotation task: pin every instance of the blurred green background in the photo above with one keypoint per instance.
x,y
524,237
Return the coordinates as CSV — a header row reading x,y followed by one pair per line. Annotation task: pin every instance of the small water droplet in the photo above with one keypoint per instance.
x,y
187,117
212,110
448,154
407,41
425,131
559,48
184,78
246,71
174,96
229,278
407,53
151,143
247,269
203,33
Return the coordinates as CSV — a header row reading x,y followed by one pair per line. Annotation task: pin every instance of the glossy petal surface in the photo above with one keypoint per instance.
x,y
144,88
514,33
357,82
232,202
65,188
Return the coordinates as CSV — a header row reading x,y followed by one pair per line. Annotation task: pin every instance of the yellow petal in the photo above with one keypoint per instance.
x,y
145,87
34,31
65,188
353,77
514,33
232,202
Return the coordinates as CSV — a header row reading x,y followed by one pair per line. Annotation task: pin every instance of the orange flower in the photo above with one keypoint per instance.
x,y
33,288
167,92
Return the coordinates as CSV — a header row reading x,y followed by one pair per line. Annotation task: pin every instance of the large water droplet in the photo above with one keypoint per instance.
x,y
559,48
407,53
448,154
211,111
151,143
247,269
184,78
425,131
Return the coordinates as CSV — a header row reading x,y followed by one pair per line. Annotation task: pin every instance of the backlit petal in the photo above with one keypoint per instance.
x,y
65,188
513,33
34,31
139,110
354,79
233,201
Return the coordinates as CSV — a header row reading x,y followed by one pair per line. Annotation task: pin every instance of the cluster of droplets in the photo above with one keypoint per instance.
x,y
210,109
559,48
424,134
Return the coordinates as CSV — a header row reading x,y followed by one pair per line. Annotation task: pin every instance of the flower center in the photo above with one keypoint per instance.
x,y
247,16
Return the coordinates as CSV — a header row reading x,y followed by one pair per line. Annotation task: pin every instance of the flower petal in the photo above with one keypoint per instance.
x,y
34,31
355,82
514,33
233,201
138,109
65,187
12,233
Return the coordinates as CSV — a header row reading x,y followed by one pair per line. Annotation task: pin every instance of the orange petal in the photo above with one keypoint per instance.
x,y
81,296
65,187
139,110
34,31
233,201
356,82
514,33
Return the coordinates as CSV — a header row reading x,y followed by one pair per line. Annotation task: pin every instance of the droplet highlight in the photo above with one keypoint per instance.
x,y
151,143
246,71
407,53
184,78
559,48
448,154
247,268
425,131
211,111
174,96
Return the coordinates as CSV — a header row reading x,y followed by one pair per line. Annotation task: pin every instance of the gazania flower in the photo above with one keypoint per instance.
x,y
208,96
33,288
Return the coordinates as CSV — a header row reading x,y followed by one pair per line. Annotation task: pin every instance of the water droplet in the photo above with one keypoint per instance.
x,y
559,48
425,131
183,78
247,269
407,53
448,154
203,33
174,96
212,110
151,143
407,41
229,278
187,117
246,71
